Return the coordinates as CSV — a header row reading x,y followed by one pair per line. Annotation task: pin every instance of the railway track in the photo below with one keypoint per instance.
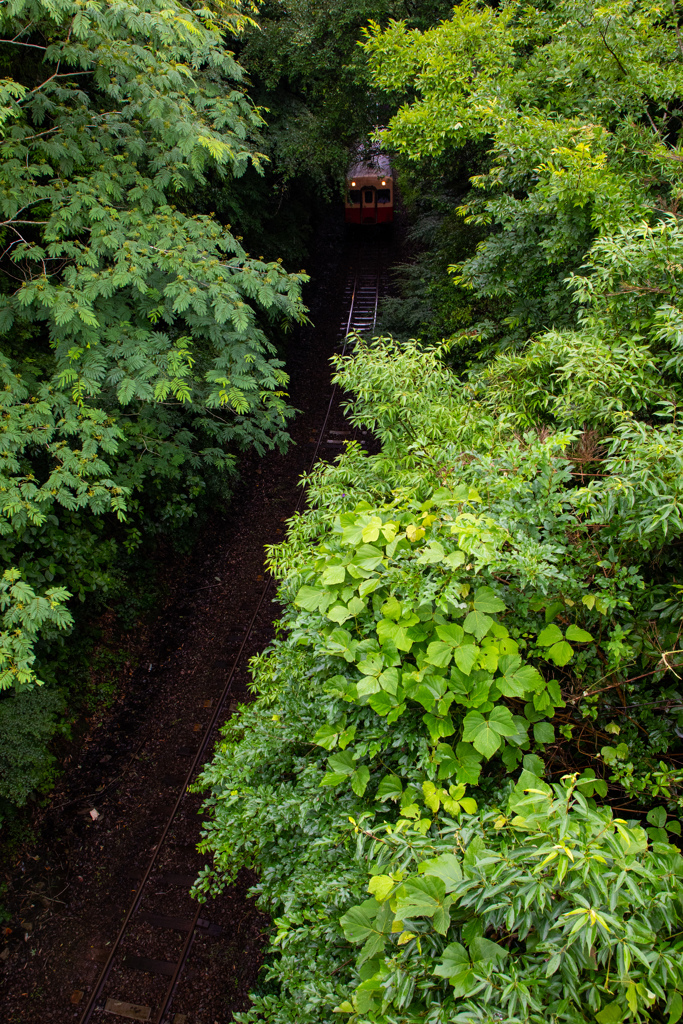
x,y
143,969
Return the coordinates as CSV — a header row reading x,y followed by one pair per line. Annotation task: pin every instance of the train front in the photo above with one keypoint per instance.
x,y
370,191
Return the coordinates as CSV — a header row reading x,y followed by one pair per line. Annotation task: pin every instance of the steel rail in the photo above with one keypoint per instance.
x,y
91,1005
106,970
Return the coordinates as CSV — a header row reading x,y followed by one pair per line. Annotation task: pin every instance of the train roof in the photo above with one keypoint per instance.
x,y
371,164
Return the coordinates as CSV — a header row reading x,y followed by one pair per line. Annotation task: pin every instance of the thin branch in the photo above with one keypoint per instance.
x,y
608,47
33,46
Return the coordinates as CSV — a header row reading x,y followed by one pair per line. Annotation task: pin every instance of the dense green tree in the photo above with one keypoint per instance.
x,y
136,335
570,116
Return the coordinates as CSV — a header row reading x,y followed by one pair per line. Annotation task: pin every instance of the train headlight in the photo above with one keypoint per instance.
x,y
353,184
384,182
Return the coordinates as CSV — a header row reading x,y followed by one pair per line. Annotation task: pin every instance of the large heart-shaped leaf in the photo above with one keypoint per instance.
x,y
308,598
477,623
439,654
561,653
578,635
360,779
486,734
552,634
420,897
332,575
520,682
359,922
390,788
483,951
455,965
446,867
486,600
342,764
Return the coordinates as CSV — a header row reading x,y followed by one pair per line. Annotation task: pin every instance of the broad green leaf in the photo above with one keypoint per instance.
x,y
613,1013
455,965
544,732
451,634
580,636
534,764
552,634
358,923
371,531
390,788
342,763
332,575
391,609
380,886
439,654
419,897
353,533
369,586
326,736
485,951
468,765
675,1008
477,623
388,680
438,727
485,734
446,867
486,600
657,816
453,959
432,554
367,686
465,657
560,654
339,613
388,630
501,720
360,779
382,703
468,804
308,598
333,778
472,930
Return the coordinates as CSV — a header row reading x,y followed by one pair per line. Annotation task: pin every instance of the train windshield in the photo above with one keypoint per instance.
x,y
354,195
383,195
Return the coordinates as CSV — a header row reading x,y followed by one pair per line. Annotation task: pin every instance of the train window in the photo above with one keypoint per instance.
x,y
354,195
383,195
369,196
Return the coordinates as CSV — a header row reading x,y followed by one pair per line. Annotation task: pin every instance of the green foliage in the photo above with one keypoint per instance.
x,y
24,615
28,721
445,628
312,76
555,908
564,115
492,599
139,353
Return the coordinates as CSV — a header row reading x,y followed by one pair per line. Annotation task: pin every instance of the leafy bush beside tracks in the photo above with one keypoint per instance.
x,y
455,629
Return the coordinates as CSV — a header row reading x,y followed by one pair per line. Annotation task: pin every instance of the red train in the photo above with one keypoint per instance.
x,y
370,191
